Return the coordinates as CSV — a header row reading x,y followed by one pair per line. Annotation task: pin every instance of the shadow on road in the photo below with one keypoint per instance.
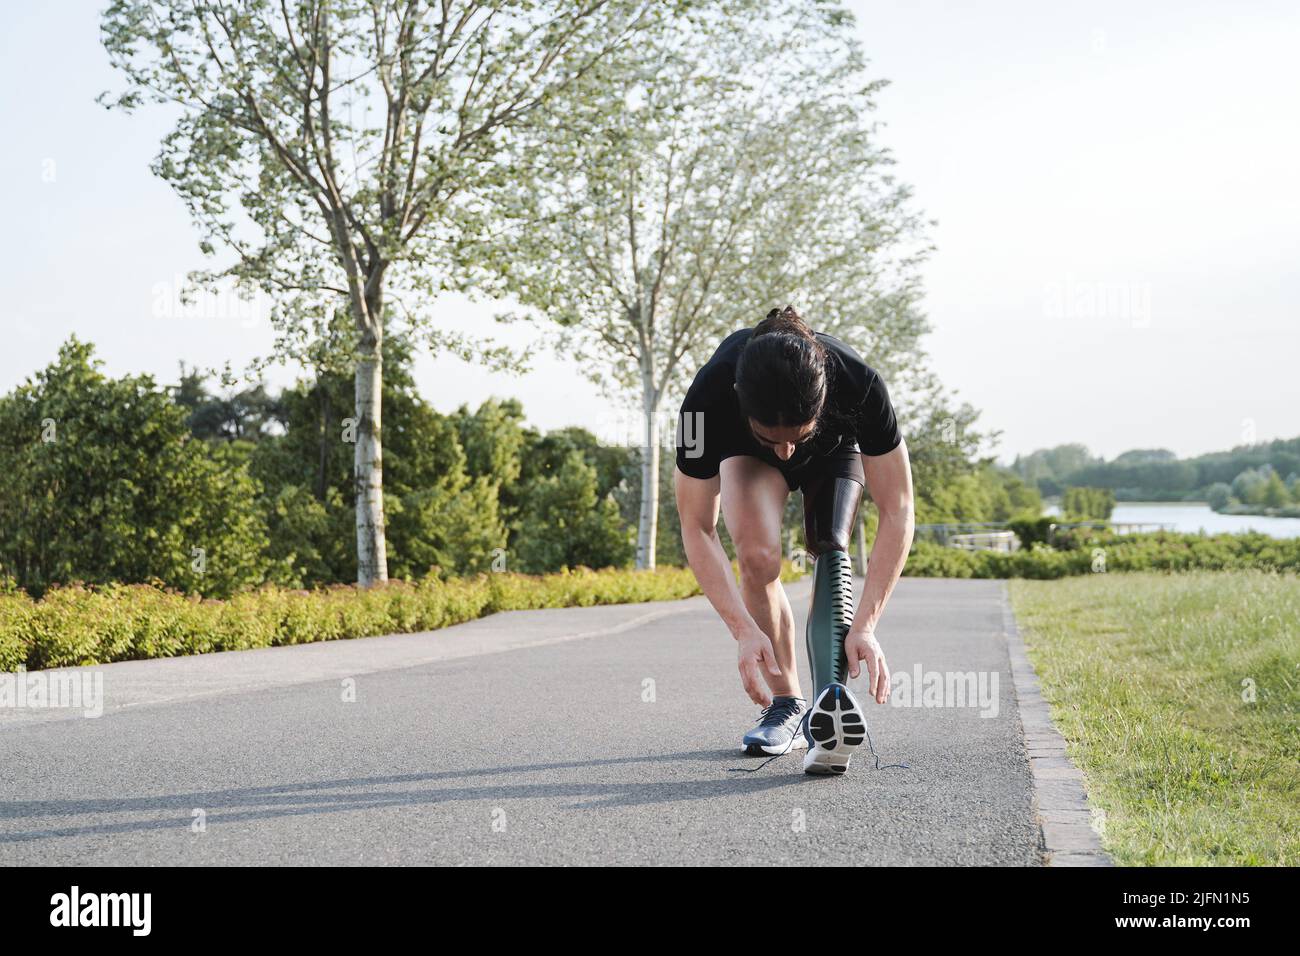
x,y
345,794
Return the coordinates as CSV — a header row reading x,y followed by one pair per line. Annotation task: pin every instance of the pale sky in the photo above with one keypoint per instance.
x,y
1115,184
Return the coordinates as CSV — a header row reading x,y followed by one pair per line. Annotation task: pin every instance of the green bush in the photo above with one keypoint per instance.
x,y
80,625
930,560
15,613
1032,528
1080,550
1218,496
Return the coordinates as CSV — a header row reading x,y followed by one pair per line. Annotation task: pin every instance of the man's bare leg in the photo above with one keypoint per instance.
x,y
753,502
770,608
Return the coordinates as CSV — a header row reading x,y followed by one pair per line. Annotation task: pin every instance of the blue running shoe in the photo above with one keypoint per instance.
x,y
779,729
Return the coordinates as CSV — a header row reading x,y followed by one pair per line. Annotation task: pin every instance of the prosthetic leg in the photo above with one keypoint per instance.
x,y
836,725
828,527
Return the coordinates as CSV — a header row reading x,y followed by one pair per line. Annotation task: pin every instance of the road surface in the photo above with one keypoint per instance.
x,y
599,735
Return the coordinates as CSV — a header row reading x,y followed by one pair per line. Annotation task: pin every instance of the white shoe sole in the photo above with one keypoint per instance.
x,y
837,727
800,743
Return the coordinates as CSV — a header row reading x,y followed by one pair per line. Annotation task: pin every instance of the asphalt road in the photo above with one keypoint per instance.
x,y
573,736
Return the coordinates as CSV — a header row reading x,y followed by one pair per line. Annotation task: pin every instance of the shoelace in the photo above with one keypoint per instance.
x,y
870,744
775,714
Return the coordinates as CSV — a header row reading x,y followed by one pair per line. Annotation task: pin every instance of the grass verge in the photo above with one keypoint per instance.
x,y
1179,695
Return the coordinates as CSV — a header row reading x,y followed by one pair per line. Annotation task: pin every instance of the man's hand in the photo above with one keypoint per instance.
x,y
754,653
862,646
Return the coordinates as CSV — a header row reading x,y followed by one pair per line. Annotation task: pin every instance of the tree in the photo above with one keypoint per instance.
x,y
1275,493
1218,495
1143,456
1248,487
355,140
495,442
1084,504
943,445
736,172
1051,468
1023,500
565,521
439,511
244,415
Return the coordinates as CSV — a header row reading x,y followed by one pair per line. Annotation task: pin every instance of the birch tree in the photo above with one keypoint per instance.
x,y
737,171
339,148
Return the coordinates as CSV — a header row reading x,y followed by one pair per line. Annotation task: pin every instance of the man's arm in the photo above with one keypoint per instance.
x,y
889,481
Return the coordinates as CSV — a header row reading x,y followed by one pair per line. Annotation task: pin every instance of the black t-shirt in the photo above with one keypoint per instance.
x,y
710,426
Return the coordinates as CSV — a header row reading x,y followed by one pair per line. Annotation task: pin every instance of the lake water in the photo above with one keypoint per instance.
x,y
1193,516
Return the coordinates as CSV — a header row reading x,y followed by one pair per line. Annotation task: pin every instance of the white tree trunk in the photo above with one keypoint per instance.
x,y
648,527
372,551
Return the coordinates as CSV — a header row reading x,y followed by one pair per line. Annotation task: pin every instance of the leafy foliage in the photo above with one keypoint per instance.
x,y
78,625
723,164
566,523
104,482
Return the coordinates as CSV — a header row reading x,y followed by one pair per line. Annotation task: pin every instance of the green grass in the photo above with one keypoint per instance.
x,y
1146,674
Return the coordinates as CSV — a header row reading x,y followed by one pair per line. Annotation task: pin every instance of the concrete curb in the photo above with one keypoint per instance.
x,y
1060,798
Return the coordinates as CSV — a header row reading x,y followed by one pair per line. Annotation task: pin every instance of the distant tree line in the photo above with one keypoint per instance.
x,y
1257,490
1160,475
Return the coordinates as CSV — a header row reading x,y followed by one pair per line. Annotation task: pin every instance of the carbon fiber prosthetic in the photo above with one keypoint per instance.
x,y
829,517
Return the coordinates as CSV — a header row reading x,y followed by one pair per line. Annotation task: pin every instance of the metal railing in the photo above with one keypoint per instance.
x,y
943,533
1005,541
1120,527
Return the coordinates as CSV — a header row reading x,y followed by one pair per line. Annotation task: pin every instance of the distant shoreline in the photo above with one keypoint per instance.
x,y
1293,511
1193,516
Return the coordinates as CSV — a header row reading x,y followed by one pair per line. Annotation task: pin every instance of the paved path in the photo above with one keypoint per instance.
x,y
465,745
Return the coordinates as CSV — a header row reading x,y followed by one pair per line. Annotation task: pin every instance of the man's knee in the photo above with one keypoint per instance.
x,y
759,562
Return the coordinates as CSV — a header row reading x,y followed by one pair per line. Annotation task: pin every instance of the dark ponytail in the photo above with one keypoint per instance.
x,y
781,375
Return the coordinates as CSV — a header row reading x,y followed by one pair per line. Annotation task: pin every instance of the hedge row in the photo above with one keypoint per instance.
x,y
1081,550
79,625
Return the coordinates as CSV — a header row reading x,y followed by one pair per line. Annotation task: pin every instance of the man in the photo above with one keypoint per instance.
x,y
776,408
